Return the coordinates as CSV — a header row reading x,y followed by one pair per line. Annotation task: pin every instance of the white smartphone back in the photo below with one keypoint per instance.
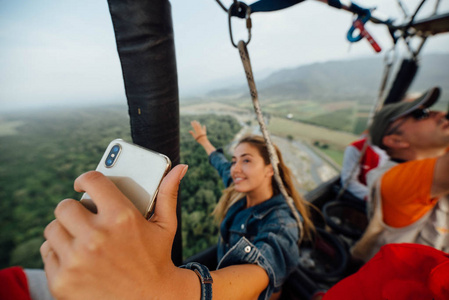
x,y
136,171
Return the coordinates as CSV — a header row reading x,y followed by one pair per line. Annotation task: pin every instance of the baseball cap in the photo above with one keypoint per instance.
x,y
391,112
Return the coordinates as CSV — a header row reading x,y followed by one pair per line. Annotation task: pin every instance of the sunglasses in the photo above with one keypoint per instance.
x,y
417,114
420,114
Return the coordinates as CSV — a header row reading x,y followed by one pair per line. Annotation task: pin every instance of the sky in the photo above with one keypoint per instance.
x,y
63,52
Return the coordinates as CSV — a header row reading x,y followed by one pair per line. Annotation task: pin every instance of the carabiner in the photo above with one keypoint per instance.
x,y
360,21
240,9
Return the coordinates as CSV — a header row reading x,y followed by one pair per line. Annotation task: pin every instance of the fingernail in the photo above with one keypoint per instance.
x,y
184,171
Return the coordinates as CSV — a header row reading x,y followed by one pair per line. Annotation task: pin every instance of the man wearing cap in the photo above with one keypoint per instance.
x,y
409,194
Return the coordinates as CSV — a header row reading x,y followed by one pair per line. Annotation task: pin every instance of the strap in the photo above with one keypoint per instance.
x,y
260,6
270,5
205,278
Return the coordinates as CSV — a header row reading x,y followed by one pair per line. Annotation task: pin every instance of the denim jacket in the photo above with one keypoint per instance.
x,y
265,234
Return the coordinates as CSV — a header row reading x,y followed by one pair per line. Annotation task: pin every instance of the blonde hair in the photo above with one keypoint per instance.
x,y
230,195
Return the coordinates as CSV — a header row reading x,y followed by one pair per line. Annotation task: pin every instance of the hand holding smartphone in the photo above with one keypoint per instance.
x,y
136,171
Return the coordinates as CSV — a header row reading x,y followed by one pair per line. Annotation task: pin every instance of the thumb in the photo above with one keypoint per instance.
x,y
165,210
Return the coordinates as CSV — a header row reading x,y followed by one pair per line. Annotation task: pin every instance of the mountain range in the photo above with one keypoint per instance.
x,y
357,79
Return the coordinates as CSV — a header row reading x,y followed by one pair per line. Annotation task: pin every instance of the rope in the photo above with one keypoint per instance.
x,y
221,5
389,58
415,13
271,150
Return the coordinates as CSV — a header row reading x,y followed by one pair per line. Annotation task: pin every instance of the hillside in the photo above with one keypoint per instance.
x,y
338,95
356,80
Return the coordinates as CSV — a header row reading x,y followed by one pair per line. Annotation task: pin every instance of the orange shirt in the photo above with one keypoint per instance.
x,y
405,191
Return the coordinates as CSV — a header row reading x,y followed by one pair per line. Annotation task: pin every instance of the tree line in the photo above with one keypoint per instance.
x,y
49,149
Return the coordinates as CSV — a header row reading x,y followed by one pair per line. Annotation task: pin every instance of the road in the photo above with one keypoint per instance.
x,y
308,167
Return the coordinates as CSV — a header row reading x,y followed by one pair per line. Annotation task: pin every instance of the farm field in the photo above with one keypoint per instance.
x,y
310,133
328,142
347,116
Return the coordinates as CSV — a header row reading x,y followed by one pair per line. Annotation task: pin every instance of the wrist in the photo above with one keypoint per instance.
x,y
179,283
204,277
201,137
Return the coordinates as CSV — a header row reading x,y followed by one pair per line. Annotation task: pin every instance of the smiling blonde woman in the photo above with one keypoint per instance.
x,y
257,226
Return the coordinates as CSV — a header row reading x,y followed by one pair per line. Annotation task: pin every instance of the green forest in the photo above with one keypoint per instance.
x,y
42,152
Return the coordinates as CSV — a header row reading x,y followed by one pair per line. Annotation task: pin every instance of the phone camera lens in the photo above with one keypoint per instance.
x,y
112,156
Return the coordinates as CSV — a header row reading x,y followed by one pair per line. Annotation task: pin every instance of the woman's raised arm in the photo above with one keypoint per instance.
x,y
199,133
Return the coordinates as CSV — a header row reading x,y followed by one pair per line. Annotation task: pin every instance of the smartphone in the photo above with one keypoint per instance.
x,y
136,171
